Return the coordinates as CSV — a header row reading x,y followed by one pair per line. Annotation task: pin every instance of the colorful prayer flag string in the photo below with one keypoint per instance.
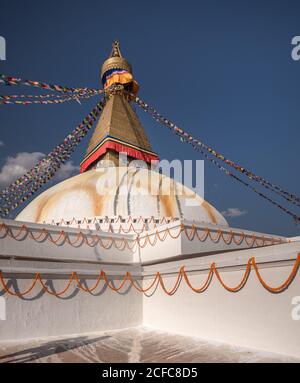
x,y
58,99
24,187
158,117
13,96
10,80
199,145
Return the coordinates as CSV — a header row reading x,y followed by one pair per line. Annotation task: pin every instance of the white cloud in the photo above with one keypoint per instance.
x,y
233,212
66,170
18,165
1,143
15,166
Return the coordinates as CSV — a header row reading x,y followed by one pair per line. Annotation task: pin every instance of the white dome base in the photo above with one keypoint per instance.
x,y
119,191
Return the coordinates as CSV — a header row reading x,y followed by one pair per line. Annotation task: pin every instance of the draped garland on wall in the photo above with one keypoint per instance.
x,y
108,241
200,146
182,275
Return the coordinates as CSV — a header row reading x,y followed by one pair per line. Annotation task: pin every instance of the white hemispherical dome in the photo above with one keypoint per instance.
x,y
119,191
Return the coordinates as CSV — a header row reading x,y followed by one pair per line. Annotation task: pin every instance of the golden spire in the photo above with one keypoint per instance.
x,y
119,129
115,60
115,52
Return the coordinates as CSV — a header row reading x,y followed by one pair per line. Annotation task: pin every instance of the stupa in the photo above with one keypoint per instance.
x,y
107,187
121,245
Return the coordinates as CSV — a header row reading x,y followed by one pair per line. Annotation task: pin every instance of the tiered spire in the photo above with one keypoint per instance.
x,y
118,129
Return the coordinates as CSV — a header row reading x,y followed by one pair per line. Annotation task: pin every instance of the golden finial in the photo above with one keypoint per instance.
x,y
116,49
115,60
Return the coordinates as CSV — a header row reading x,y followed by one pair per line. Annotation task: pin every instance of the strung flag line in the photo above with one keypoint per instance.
x,y
199,145
24,187
12,81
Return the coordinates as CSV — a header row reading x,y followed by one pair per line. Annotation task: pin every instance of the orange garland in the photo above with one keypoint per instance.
x,y
122,243
158,279
115,220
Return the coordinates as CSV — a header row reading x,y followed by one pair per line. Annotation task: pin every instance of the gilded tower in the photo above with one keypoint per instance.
x,y
119,129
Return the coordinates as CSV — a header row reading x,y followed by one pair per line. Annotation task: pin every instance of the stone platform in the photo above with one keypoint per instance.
x,y
137,344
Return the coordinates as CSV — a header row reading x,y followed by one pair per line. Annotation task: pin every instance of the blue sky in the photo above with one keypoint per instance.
x,y
222,70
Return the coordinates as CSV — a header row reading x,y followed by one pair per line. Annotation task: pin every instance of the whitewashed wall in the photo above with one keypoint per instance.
x,y
252,317
43,315
173,248
77,313
27,247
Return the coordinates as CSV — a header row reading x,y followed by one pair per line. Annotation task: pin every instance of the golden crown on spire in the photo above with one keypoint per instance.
x,y
116,49
115,60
